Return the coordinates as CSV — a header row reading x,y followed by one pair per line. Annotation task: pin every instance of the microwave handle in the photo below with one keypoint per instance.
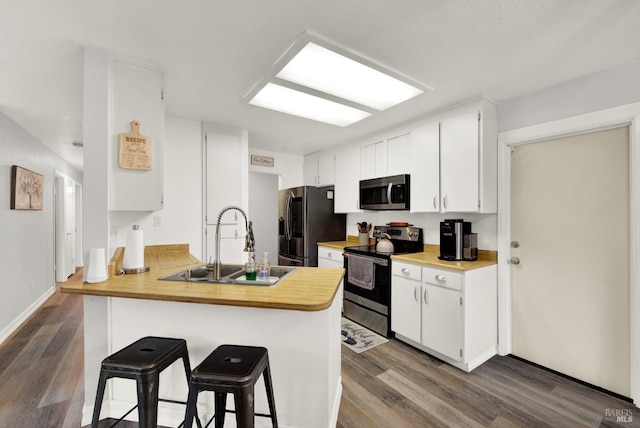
x,y
389,192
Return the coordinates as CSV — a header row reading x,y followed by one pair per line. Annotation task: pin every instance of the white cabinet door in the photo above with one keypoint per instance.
x,y
310,170
425,170
347,186
374,160
330,257
405,302
232,238
459,163
224,157
442,320
399,155
319,169
326,169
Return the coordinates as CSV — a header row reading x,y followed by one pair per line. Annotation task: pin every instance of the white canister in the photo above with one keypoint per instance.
x,y
363,238
97,266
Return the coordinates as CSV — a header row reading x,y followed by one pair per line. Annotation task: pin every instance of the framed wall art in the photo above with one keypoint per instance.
x,y
26,189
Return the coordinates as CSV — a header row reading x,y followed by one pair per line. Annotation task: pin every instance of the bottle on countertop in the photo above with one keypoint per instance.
x,y
250,267
264,268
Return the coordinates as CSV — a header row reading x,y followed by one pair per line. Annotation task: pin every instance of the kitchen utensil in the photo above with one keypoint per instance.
x,y
399,223
384,245
363,227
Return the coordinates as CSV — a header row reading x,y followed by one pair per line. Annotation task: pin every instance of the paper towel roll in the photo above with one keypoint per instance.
x,y
134,250
97,266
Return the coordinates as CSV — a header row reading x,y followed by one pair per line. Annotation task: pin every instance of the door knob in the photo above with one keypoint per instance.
x,y
515,261
515,244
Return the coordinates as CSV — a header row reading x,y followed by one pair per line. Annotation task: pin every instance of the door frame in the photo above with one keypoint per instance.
x,y
627,115
59,222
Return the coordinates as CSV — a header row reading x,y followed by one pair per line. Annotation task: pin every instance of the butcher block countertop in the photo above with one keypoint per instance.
x,y
429,257
306,289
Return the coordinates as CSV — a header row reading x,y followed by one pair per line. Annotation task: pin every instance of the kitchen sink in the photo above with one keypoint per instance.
x,y
230,274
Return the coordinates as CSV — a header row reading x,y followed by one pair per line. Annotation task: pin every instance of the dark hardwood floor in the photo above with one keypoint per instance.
x,y
392,385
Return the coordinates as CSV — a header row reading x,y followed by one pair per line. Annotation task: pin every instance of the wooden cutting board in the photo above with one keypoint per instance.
x,y
134,149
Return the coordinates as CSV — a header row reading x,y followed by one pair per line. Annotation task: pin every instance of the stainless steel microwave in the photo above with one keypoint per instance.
x,y
386,193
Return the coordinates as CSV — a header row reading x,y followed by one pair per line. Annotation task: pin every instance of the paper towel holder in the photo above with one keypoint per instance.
x,y
133,270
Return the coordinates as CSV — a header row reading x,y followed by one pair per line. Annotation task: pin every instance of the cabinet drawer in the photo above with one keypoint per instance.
x,y
405,270
330,254
444,278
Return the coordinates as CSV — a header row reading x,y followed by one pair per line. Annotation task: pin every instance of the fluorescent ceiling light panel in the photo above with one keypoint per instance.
x,y
327,71
286,100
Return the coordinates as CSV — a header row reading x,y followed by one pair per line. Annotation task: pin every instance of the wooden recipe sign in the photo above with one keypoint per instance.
x,y
134,149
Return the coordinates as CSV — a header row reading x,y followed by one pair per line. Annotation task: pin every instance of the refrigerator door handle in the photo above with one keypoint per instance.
x,y
289,261
287,218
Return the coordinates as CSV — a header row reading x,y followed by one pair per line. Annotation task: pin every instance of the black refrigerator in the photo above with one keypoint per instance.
x,y
306,217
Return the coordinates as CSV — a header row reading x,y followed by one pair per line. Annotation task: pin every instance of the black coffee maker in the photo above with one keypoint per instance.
x,y
456,240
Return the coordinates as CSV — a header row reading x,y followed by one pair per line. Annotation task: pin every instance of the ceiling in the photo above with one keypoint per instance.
x,y
213,51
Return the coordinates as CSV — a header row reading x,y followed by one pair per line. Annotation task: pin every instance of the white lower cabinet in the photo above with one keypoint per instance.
x,y
330,257
449,314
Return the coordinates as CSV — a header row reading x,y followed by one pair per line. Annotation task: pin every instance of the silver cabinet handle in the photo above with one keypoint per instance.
x,y
444,202
515,261
435,204
406,271
415,293
426,296
441,278
330,255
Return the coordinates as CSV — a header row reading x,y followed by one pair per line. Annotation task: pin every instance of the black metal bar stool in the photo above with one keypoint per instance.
x,y
232,369
143,361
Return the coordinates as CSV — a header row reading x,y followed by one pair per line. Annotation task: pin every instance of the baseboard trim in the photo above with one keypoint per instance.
x,y
20,319
571,378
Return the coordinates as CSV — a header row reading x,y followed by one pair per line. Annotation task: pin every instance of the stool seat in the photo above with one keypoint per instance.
x,y
143,361
232,369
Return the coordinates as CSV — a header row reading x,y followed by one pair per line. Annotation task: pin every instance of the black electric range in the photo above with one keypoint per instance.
x,y
367,295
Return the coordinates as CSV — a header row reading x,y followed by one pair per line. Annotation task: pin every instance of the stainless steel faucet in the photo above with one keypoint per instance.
x,y
249,241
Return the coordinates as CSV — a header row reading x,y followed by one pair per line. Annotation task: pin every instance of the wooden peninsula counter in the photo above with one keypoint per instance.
x,y
297,320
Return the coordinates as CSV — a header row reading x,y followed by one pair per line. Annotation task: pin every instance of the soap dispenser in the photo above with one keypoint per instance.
x,y
264,269
250,267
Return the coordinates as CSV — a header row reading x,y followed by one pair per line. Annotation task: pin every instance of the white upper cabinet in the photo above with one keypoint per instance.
x,y
425,168
452,159
347,186
137,96
319,169
399,154
374,160
468,160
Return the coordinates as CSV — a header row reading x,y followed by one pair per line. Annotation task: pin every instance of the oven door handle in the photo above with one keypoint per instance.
x,y
376,261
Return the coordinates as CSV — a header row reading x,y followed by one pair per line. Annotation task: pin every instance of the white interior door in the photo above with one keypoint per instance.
x,y
70,227
570,230
60,230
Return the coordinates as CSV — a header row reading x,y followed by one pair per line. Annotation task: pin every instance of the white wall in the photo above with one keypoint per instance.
x,y
485,225
289,167
599,91
27,250
180,221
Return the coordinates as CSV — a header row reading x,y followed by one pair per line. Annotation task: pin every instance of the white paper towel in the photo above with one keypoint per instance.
x,y
134,250
97,266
